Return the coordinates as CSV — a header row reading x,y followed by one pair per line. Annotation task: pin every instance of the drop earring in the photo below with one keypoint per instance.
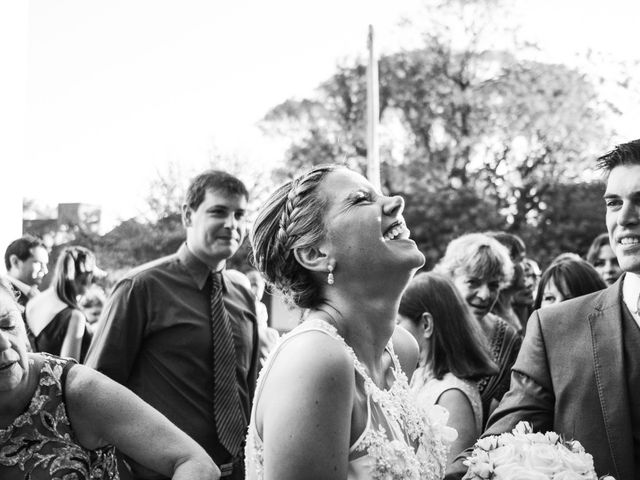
x,y
330,279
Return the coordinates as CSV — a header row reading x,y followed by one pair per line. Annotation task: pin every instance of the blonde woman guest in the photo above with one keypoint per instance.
x,y
454,354
333,401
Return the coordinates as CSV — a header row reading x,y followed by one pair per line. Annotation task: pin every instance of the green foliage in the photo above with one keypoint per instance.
x,y
435,218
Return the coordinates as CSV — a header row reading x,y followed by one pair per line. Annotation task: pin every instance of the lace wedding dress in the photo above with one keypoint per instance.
x,y
400,441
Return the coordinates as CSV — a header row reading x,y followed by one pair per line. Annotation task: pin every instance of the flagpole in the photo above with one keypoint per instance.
x,y
373,113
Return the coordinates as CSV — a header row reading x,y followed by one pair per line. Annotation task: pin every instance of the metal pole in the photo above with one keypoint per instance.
x,y
373,114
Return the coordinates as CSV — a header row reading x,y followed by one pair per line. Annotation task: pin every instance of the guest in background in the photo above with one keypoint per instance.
x,y
454,354
181,331
523,299
564,280
62,420
56,322
601,256
479,267
93,302
26,260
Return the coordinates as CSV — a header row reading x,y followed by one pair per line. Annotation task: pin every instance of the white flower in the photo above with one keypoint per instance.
x,y
578,462
552,437
487,443
544,458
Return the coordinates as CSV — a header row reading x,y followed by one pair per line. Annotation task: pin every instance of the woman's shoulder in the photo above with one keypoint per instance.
x,y
406,348
314,344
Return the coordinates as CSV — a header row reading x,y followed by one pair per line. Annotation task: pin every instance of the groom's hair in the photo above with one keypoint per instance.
x,y
623,154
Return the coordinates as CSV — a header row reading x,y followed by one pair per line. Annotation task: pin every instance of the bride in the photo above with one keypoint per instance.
x,y
333,400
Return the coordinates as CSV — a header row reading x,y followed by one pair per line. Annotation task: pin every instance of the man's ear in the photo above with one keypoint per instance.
x,y
186,215
312,258
427,322
14,261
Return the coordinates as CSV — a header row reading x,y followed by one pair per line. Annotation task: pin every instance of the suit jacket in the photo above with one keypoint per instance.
x,y
569,378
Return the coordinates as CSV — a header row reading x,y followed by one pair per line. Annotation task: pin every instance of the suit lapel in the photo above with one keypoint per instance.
x,y
607,346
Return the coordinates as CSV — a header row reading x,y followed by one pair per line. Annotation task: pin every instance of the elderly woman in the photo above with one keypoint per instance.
x,y
333,400
479,267
57,324
63,420
454,354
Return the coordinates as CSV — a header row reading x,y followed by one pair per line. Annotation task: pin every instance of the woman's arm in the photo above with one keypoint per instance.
x,y
72,343
461,418
304,412
104,412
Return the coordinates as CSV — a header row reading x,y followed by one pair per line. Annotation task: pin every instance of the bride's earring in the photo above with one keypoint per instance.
x,y
330,279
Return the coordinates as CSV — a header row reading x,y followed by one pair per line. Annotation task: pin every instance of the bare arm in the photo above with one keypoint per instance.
x,y
104,412
305,409
72,342
461,418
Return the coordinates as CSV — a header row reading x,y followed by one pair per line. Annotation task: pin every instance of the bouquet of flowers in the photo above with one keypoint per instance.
x,y
525,455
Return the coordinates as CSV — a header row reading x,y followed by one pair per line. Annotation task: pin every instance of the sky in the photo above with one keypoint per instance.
x,y
116,90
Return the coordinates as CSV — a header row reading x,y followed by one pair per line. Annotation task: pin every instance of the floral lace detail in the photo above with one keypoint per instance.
x,y
40,443
393,459
423,454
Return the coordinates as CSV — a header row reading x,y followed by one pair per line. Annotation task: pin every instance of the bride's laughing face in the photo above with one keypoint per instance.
x,y
365,228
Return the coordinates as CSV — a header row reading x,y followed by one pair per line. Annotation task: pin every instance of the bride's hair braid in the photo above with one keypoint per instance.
x,y
291,218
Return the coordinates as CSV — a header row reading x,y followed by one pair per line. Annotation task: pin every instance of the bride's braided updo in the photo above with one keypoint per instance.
x,y
292,217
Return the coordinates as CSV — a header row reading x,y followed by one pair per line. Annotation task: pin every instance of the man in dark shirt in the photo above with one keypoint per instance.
x,y
155,333
26,261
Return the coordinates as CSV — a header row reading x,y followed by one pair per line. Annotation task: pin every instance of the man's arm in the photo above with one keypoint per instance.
x,y
530,396
120,333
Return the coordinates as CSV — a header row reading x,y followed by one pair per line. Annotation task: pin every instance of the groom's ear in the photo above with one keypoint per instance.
x,y
312,258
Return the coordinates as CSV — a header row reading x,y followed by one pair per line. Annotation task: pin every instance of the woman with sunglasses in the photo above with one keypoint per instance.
x,y
55,321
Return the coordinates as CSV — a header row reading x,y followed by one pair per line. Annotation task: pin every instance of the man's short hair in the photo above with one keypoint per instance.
x,y
21,248
213,180
623,154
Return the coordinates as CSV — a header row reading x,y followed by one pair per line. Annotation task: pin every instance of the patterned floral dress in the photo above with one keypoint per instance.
x,y
400,442
40,444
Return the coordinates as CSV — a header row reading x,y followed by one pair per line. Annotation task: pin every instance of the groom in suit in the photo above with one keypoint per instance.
x,y
578,371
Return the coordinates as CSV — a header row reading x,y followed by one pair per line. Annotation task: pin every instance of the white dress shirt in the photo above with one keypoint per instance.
x,y
631,294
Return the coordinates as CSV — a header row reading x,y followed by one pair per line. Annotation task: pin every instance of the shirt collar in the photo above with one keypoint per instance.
x,y
631,291
198,270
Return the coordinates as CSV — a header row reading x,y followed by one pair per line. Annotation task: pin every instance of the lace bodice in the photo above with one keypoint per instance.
x,y
398,443
41,444
427,390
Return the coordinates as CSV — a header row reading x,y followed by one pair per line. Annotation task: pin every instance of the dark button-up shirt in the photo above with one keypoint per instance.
x,y
155,337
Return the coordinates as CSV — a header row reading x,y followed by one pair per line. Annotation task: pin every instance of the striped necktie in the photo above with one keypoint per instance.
x,y
229,418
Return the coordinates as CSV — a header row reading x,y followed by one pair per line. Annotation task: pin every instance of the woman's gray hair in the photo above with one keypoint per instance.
x,y
479,255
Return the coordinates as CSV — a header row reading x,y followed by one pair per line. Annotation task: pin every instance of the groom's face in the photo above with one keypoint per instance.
x,y
622,199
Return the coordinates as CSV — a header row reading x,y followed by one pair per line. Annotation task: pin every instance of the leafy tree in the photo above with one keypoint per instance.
x,y
473,135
